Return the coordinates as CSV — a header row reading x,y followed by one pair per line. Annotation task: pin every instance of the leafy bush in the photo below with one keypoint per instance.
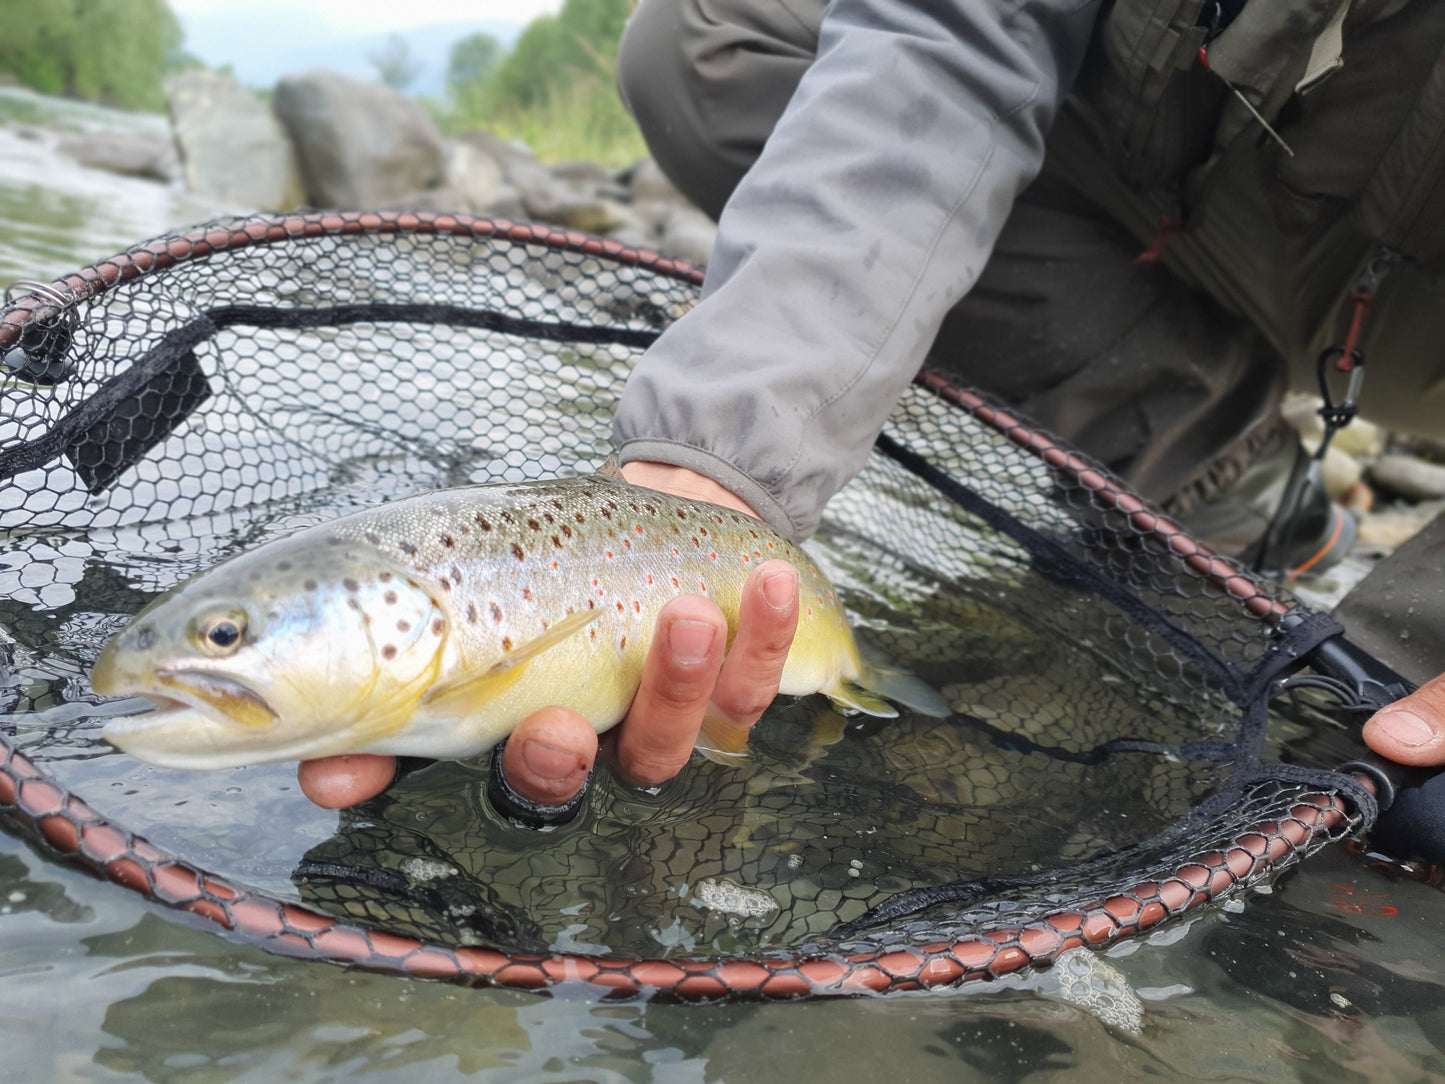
x,y
114,51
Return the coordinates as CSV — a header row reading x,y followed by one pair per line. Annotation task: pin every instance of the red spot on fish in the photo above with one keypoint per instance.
x,y
637,528
649,579
636,606
622,643
619,607
676,584
527,593
506,643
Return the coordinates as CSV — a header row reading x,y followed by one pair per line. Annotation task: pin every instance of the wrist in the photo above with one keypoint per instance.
x,y
682,482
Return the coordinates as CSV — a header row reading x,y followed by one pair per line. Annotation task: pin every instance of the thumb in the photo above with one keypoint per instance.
x,y
1412,729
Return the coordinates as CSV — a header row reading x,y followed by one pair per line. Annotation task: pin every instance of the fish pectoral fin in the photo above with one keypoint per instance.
x,y
854,697
879,681
721,740
466,693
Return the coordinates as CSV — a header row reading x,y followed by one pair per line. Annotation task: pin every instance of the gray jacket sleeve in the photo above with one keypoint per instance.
x,y
871,211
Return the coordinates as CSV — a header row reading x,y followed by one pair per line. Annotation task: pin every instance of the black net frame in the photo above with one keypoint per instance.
x,y
97,395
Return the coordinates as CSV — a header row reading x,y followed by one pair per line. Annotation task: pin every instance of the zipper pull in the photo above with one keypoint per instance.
x,y
1255,113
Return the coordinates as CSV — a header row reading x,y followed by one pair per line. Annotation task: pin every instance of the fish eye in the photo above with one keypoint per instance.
x,y
222,634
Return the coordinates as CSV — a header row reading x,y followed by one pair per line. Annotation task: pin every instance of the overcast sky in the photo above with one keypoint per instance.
x,y
373,16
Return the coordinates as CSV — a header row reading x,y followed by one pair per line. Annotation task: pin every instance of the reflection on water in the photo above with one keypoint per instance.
x,y
1332,975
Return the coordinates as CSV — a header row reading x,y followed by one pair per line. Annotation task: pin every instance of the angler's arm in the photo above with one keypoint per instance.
x,y
871,211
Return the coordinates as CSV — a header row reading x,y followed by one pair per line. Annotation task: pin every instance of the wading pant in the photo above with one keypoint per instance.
x,y
1169,373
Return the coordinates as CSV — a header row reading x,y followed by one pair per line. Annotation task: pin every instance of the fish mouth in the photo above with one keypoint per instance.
x,y
214,696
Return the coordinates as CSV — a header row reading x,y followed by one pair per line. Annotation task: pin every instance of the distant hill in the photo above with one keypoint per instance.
x,y
260,51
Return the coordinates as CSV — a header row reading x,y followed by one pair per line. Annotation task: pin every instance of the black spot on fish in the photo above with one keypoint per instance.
x,y
482,522
548,517
556,541
353,604
448,541
507,518
682,513
372,537
384,577
335,540
283,566
606,513
145,637
407,548
438,627
389,598
580,517
556,503
566,531
651,511
471,613
456,575
518,552
403,626
350,584
532,523
496,612
389,651
309,585
446,584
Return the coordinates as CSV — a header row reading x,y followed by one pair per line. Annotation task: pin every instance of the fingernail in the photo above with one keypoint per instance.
x,y
549,761
1405,727
690,641
778,588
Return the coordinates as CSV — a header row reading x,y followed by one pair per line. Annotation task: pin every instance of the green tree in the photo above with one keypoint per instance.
x,y
113,51
470,67
579,42
394,64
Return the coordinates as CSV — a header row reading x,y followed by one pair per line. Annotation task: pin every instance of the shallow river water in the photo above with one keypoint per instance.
x,y
1332,973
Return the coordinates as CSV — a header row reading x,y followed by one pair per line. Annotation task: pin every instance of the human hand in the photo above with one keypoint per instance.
x,y
1412,729
549,755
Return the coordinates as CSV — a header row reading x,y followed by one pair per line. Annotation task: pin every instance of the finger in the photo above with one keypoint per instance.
x,y
1412,730
682,665
336,782
548,757
767,620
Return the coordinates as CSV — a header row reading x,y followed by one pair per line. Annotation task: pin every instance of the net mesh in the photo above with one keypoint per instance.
x,y
1107,763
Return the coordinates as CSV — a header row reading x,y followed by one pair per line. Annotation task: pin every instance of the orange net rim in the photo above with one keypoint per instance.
x,y
200,243
77,832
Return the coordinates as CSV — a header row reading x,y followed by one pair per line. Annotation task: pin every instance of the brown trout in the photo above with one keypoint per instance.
x,y
431,626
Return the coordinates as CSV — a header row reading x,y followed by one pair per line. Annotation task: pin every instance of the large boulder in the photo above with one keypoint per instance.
x,y
129,153
231,147
361,145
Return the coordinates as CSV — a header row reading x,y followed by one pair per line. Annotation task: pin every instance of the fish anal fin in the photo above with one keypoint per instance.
x,y
468,692
853,697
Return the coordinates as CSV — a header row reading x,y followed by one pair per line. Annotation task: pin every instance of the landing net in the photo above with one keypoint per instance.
x,y
1109,763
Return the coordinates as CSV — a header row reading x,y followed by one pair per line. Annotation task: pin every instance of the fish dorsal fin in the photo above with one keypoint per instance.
x,y
611,469
468,692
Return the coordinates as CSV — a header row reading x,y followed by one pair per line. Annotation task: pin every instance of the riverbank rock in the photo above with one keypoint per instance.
x,y
131,154
1410,477
231,147
360,145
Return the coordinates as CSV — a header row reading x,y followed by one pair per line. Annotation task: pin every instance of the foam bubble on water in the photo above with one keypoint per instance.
x,y
733,899
1087,980
425,870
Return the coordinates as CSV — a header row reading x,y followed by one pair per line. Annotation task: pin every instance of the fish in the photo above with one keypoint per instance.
x,y
430,626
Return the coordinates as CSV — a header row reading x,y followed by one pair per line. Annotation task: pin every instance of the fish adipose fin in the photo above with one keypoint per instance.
x,y
467,693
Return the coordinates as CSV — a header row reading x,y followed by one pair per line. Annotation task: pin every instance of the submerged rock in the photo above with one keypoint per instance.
x,y
232,149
